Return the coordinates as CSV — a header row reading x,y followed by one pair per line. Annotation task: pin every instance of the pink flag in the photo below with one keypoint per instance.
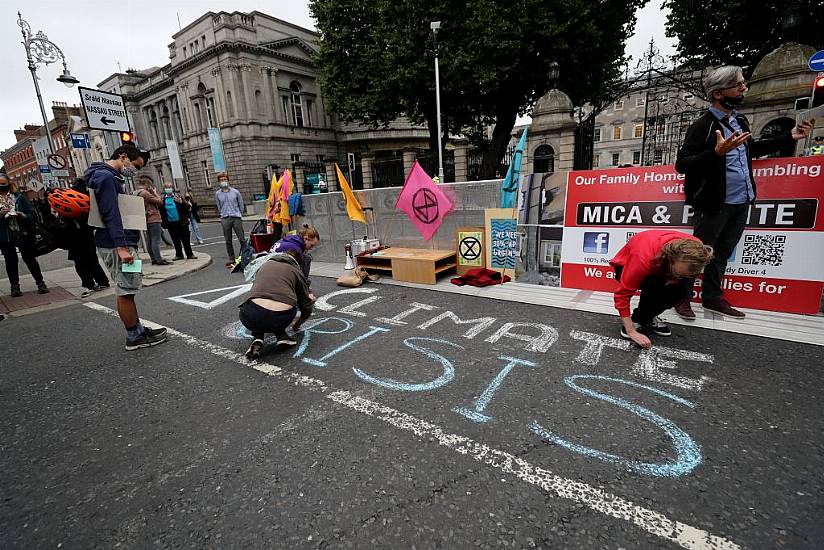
x,y
286,187
424,203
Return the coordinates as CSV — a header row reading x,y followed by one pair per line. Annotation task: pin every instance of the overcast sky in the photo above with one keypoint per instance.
x,y
96,35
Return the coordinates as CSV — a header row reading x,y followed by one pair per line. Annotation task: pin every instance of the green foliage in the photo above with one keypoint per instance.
x,y
740,32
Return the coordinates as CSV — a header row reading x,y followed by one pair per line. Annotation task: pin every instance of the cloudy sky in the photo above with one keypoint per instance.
x,y
100,38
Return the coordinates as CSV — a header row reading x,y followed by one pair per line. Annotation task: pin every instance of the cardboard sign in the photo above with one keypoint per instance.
x,y
777,264
132,211
503,239
470,246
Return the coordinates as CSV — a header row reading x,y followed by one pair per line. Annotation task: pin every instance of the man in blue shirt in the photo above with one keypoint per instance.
x,y
716,159
230,207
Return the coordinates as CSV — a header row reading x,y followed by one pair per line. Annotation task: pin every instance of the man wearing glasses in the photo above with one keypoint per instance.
x,y
716,159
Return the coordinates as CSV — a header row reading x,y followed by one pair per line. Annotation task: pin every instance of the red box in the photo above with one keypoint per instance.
x,y
262,242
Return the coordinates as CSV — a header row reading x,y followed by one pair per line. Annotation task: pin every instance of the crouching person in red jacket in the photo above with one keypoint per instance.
x,y
662,265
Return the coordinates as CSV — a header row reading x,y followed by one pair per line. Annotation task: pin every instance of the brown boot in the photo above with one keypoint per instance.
x,y
723,307
684,310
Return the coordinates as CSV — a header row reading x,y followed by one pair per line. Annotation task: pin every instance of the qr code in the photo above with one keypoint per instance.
x,y
631,234
763,250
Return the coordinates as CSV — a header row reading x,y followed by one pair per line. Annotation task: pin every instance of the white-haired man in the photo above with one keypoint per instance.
x,y
716,159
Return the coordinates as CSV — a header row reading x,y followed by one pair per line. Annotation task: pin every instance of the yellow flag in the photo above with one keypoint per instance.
x,y
284,190
353,207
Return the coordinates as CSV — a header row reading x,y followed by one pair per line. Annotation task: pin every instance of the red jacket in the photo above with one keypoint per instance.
x,y
636,258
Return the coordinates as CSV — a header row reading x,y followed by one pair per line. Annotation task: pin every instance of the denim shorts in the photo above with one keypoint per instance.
x,y
125,284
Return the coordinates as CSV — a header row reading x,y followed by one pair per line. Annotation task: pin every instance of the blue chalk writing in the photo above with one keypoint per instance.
x,y
322,361
311,327
688,453
446,376
477,415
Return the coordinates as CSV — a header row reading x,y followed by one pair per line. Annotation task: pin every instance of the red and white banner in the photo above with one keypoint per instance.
x,y
777,265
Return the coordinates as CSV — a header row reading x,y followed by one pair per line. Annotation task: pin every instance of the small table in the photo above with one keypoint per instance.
x,y
409,264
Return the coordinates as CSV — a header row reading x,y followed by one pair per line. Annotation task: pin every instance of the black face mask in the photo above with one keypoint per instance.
x,y
731,102
4,188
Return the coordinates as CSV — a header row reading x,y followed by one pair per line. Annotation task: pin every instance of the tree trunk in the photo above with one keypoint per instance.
x,y
501,135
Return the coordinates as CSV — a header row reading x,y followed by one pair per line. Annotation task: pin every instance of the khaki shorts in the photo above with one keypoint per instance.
x,y
125,283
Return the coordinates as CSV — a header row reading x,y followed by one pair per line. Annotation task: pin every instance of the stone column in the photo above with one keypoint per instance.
x,y
408,159
238,102
461,149
366,169
221,112
248,91
267,74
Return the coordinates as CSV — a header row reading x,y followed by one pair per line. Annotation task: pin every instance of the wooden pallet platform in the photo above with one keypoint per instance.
x,y
409,264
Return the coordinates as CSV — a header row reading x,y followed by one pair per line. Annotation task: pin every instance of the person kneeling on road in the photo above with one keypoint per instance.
x,y
662,265
279,290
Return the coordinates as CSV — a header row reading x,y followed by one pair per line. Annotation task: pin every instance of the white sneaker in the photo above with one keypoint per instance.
x,y
86,292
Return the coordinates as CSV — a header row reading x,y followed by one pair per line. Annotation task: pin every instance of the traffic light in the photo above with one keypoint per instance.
x,y
818,91
127,137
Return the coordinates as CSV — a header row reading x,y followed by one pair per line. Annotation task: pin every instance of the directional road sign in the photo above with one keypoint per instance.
x,y
104,111
80,141
816,62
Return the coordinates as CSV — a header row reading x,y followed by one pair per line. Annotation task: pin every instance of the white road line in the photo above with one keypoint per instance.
x,y
593,498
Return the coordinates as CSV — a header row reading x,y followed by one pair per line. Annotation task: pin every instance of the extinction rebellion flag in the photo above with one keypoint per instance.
x,y
424,203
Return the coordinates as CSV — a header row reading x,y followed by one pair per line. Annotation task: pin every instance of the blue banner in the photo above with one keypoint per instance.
x,y
217,150
509,188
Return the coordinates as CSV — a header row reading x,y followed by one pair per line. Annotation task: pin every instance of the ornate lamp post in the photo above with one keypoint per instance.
x,y
39,49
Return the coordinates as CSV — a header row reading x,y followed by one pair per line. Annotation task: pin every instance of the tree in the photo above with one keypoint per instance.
x,y
494,59
740,32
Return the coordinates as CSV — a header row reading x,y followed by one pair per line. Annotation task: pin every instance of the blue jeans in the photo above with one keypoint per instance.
x,y
195,229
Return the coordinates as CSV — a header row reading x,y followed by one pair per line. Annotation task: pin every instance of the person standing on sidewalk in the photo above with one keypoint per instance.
x,y
117,245
661,264
194,217
230,207
154,229
16,215
175,214
716,159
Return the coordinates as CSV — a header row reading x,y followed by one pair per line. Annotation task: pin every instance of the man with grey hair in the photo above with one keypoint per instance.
x,y
716,159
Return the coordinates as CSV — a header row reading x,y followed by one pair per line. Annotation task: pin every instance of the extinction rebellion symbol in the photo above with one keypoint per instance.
x,y
425,206
470,248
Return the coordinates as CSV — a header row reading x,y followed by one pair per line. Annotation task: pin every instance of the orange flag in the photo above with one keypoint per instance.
x,y
353,207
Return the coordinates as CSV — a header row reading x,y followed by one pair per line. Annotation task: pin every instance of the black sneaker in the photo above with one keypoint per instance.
x,y
657,326
145,340
15,291
155,331
42,288
254,349
285,340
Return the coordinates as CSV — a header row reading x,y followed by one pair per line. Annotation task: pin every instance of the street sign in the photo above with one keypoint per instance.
x,y
60,173
816,62
80,141
34,185
44,169
57,161
104,111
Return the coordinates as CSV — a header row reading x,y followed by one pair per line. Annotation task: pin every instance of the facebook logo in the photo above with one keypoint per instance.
x,y
596,243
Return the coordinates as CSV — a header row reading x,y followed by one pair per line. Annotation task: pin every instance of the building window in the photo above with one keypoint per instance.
x,y
596,136
551,254
639,101
198,120
259,102
543,160
636,157
616,132
658,157
203,41
638,131
295,157
616,158
596,160
206,176
319,158
297,106
184,52
230,107
310,105
285,104
618,105
210,107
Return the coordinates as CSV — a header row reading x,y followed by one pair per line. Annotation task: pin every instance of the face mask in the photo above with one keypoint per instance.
x,y
731,102
224,185
168,190
4,188
129,171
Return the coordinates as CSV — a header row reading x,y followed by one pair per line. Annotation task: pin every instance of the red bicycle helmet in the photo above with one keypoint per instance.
x,y
69,203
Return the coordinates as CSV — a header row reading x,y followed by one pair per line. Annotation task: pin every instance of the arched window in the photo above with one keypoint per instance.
x,y
297,107
153,126
167,127
543,160
780,127
210,114
259,102
230,107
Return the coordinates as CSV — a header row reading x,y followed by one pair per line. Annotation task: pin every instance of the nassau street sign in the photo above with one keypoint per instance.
x,y
104,111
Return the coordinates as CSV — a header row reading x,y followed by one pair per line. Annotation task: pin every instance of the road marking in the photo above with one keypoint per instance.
x,y
593,498
237,290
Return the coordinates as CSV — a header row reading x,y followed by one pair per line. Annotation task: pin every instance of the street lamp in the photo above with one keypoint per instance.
x,y
39,49
435,26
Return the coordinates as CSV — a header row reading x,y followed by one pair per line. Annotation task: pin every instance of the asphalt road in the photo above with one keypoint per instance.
x,y
394,426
